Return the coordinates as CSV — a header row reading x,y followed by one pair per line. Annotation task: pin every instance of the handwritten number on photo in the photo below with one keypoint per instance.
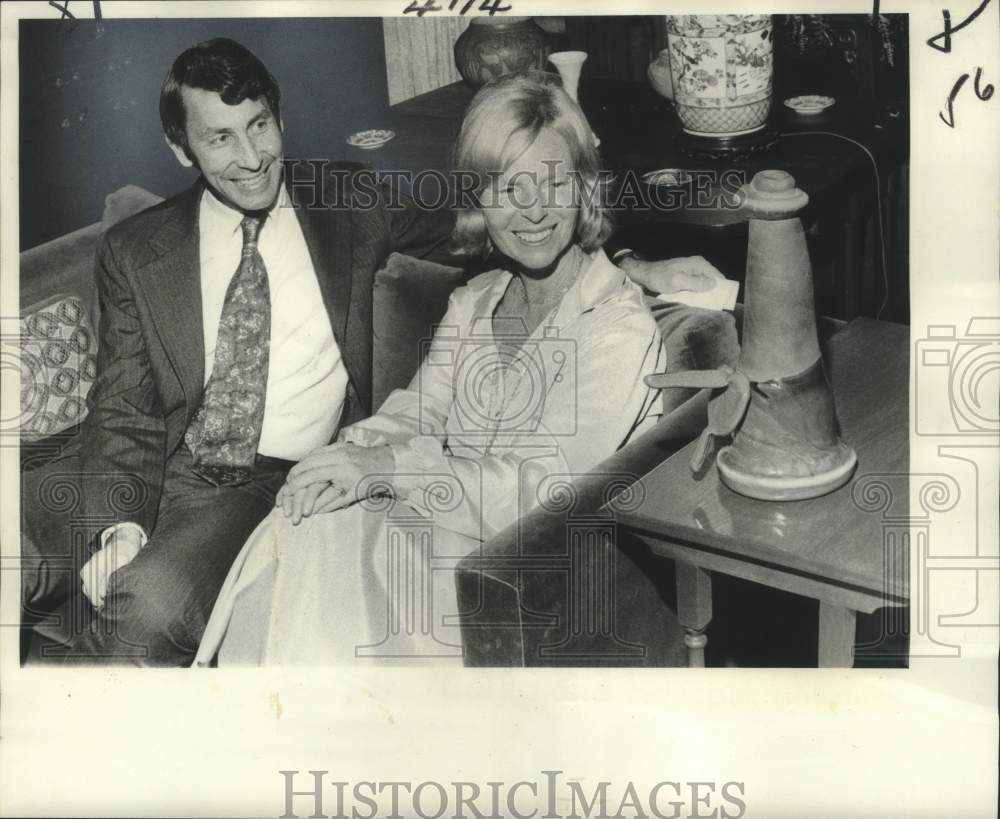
x,y
982,92
942,41
490,7
421,10
949,120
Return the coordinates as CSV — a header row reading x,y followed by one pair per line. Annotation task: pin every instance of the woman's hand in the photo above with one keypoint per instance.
x,y
671,275
330,478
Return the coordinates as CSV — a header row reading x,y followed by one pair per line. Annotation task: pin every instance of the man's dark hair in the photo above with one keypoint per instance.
x,y
221,65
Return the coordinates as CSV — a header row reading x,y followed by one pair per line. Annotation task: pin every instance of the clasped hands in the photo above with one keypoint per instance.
x,y
332,477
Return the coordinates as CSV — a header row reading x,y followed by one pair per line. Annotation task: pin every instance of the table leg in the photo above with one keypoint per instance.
x,y
836,636
694,609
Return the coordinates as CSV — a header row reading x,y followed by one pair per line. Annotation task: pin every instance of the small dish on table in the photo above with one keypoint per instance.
x,y
371,139
809,104
667,177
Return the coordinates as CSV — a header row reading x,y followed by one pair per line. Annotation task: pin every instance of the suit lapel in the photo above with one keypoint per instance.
x,y
171,281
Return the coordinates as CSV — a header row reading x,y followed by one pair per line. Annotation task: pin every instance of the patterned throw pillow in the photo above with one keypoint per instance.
x,y
58,363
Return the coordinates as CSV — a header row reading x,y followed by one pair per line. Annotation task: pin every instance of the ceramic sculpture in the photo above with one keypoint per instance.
x,y
777,404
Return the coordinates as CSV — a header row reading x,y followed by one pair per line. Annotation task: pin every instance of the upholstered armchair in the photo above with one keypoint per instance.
x,y
563,586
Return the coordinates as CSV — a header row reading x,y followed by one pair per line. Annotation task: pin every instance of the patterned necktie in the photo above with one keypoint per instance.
x,y
225,431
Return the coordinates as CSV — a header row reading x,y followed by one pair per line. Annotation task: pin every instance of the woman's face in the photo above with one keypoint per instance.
x,y
531,209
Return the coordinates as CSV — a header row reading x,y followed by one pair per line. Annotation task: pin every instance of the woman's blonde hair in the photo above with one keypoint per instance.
x,y
503,120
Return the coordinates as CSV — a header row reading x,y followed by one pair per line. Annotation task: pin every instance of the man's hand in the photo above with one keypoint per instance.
x,y
119,550
671,275
328,478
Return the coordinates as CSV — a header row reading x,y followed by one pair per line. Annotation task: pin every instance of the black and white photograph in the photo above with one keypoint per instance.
x,y
488,408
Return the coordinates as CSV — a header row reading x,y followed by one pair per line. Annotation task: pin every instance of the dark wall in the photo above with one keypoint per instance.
x,y
89,121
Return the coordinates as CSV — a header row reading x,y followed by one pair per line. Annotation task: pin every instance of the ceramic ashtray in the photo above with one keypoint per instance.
x,y
809,103
668,177
374,138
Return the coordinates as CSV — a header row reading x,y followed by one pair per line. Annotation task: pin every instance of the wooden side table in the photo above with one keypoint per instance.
x,y
828,548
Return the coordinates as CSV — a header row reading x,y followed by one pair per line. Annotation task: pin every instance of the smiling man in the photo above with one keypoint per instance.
x,y
237,147
235,338
221,362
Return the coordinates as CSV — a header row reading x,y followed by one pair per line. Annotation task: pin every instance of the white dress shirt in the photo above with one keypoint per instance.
x,y
306,377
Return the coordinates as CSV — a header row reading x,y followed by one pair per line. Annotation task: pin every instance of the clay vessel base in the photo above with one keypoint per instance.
x,y
791,487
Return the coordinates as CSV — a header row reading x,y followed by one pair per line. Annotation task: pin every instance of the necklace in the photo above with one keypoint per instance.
x,y
556,296
505,378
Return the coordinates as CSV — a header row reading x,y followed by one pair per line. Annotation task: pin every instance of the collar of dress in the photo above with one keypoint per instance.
x,y
597,281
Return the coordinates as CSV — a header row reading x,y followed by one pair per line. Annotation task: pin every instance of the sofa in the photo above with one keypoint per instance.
x,y
521,594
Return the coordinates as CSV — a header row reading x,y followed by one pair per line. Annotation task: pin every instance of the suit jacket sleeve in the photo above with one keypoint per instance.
x,y
419,230
124,438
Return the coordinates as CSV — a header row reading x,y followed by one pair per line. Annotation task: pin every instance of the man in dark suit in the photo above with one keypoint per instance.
x,y
235,337
165,505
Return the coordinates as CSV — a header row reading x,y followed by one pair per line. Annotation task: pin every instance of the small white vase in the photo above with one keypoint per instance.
x,y
569,64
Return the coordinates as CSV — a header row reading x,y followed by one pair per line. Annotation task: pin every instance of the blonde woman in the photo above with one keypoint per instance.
x,y
535,371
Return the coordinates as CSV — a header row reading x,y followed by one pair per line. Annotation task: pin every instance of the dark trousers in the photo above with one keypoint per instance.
x,y
157,606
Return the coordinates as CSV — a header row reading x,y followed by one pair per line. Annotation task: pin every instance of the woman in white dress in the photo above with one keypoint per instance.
x,y
534,375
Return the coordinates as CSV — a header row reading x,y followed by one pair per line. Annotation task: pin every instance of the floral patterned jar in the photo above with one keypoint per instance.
x,y
722,67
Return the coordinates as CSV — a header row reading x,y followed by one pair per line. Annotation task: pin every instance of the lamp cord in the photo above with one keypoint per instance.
x,y
878,206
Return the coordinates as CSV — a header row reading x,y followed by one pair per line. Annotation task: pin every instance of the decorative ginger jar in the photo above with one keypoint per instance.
x,y
494,46
721,70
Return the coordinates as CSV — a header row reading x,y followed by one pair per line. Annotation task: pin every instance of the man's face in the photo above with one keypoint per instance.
x,y
237,148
